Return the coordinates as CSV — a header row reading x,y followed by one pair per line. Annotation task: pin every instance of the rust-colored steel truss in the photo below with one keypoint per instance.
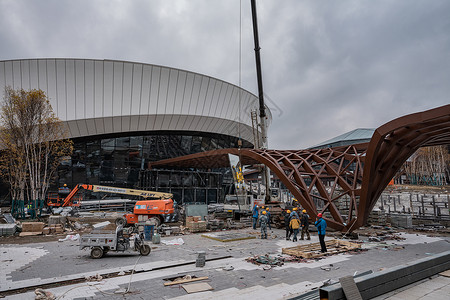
x,y
344,182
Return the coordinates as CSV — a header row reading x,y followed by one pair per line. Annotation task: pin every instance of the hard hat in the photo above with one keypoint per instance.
x,y
303,211
264,212
262,207
288,211
65,184
267,208
319,215
295,208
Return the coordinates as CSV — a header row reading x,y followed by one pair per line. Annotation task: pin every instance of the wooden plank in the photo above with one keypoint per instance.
x,y
185,281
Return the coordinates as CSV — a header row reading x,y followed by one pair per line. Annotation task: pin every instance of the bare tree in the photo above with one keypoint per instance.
x,y
428,166
35,139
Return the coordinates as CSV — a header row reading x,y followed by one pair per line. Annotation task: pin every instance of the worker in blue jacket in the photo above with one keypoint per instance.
x,y
321,225
255,216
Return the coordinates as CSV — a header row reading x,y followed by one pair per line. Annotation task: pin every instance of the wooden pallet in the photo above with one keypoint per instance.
x,y
313,250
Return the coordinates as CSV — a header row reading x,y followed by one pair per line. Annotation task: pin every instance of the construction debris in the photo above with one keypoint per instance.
x,y
184,279
228,237
313,250
43,295
70,237
178,241
265,260
96,277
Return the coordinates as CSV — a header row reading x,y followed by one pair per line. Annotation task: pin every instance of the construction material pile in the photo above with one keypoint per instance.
x,y
313,250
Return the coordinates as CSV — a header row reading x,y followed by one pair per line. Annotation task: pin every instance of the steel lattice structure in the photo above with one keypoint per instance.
x,y
320,178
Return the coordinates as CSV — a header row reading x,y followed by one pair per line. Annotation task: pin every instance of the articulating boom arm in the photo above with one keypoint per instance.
x,y
115,190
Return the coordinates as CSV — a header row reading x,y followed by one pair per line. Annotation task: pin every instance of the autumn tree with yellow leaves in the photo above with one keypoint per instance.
x,y
33,141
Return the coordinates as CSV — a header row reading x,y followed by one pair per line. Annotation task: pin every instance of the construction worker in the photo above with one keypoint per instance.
x,y
287,220
321,225
305,225
294,213
255,216
268,217
64,189
263,220
295,225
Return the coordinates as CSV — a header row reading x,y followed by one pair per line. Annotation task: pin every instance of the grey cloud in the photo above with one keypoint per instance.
x,y
330,66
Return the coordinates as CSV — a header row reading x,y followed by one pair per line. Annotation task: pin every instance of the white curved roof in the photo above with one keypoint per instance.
x,y
98,97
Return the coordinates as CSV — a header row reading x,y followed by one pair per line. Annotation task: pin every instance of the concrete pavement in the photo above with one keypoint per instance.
x,y
52,261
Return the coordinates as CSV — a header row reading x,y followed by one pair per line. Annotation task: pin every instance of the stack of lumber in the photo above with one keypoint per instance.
x,y
313,250
32,228
53,228
195,224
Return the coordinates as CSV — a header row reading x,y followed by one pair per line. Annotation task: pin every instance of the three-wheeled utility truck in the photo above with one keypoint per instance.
x,y
101,243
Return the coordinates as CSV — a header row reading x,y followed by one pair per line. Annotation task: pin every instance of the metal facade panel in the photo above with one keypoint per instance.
x,y
117,124
234,105
201,103
82,127
188,93
107,107
172,125
180,93
180,121
126,120
215,98
157,98
127,92
142,123
8,74
80,100
162,91
117,88
157,124
99,126
98,89
209,94
154,90
25,74
108,123
194,123
2,76
91,127
89,90
145,93
134,123
33,74
171,92
136,89
166,122
73,128
17,74
70,90
195,94
225,101
61,95
49,67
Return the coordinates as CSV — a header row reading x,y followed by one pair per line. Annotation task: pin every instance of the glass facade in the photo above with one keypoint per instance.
x,y
122,161
186,186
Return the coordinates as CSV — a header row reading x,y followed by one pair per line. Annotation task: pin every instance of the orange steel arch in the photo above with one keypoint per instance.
x,y
320,178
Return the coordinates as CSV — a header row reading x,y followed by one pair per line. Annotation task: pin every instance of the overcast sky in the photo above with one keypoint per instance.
x,y
328,66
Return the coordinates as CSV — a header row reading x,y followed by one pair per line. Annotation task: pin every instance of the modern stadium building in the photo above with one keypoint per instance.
x,y
124,115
